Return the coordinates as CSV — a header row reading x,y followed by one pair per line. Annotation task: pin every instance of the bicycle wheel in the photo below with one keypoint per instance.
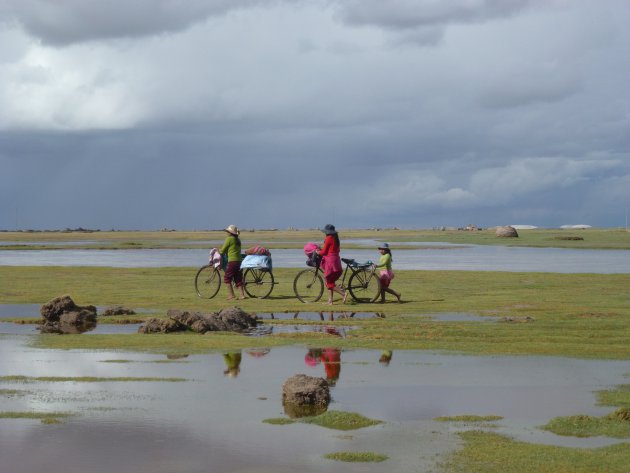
x,y
258,283
207,282
364,286
308,285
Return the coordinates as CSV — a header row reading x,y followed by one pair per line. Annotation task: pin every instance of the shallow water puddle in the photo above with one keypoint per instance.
x,y
321,315
214,421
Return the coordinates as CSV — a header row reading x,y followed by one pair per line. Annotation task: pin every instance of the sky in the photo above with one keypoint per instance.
x,y
197,114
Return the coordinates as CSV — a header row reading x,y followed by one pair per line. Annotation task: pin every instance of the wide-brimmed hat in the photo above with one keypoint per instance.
x,y
329,229
383,246
233,230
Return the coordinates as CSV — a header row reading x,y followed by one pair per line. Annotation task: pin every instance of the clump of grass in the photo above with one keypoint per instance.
x,y
279,421
468,418
51,421
622,414
356,457
620,396
337,420
43,416
613,425
13,392
486,452
341,420
83,379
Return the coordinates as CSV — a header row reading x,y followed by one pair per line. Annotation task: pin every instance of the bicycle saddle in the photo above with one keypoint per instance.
x,y
348,261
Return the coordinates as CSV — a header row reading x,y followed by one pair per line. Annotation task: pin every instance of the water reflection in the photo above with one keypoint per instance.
x,y
322,315
207,420
386,357
232,363
331,359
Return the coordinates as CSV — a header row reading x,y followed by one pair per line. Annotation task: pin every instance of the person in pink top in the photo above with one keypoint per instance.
x,y
331,263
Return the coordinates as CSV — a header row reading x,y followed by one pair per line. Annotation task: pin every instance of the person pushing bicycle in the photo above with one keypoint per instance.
x,y
331,262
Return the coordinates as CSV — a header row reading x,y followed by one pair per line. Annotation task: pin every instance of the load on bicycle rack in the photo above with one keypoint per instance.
x,y
362,281
258,278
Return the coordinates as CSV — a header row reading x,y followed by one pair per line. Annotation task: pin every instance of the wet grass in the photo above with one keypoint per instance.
x,y
615,425
468,418
336,420
84,379
620,396
365,457
577,315
485,452
14,393
45,417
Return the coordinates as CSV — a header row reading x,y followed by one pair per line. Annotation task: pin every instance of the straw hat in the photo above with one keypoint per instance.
x,y
233,230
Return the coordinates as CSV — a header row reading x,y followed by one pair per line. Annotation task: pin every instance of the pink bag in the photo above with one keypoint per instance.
x,y
310,247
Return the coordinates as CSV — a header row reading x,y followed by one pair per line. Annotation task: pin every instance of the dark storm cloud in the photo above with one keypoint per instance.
x,y
73,21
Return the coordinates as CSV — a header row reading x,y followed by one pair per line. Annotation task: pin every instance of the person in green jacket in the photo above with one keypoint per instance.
x,y
233,274
387,274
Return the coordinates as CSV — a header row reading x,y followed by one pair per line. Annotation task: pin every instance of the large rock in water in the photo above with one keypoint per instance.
x,y
62,315
506,232
304,395
228,320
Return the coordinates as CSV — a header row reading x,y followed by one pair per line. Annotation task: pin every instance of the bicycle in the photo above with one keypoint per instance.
x,y
363,283
257,282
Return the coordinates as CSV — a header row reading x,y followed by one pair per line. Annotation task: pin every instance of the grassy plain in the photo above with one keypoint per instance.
x,y
578,315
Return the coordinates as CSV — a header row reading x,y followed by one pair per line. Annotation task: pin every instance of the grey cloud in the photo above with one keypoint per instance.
x,y
405,14
75,21
523,87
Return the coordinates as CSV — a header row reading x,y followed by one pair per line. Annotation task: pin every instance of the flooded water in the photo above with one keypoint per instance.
x,y
214,420
445,257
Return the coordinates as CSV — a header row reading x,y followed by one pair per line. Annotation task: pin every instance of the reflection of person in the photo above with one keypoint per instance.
x,y
387,274
331,357
313,356
386,357
233,274
331,262
232,363
332,364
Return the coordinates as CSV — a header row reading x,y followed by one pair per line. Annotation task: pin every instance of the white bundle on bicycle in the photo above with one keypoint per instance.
x,y
257,262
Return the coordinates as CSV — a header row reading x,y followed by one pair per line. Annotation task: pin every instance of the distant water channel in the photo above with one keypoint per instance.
x,y
443,257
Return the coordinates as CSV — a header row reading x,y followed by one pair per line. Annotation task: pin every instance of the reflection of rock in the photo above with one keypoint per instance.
x,y
506,232
228,320
65,328
304,395
62,315
117,310
175,356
